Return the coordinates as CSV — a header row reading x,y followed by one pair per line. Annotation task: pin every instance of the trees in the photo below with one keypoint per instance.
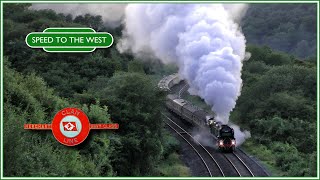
x,y
27,99
135,104
289,28
98,84
88,20
278,105
135,66
13,8
290,160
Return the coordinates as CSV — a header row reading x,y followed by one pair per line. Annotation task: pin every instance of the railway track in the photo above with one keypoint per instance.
x,y
241,168
228,164
252,168
182,90
237,163
209,162
255,167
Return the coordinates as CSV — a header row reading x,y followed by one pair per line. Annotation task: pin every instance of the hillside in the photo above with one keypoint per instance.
x,y
38,84
278,105
277,102
290,28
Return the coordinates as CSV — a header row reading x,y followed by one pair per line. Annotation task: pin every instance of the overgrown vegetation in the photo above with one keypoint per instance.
x,y
27,99
290,28
278,105
107,85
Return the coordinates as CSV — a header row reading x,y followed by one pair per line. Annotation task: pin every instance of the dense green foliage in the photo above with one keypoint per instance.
x,y
105,84
278,105
290,28
138,113
27,99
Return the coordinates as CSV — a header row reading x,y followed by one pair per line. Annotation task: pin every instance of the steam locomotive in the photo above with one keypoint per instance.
x,y
226,140
200,118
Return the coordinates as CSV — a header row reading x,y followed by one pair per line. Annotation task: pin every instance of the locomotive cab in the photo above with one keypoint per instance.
x,y
226,140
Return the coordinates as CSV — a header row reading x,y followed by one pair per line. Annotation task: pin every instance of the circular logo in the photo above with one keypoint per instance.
x,y
70,126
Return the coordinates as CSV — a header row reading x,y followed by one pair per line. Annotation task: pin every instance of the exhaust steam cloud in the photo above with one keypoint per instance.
x,y
203,40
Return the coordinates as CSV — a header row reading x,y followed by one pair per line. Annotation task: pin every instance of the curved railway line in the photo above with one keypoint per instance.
x,y
258,170
241,168
234,164
182,90
213,169
233,159
212,162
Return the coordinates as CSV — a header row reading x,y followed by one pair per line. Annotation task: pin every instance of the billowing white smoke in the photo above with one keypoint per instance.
x,y
203,137
204,40
239,135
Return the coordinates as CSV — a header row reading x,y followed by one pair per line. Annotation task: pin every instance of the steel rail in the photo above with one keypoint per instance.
x,y
215,161
182,90
238,159
232,164
263,169
243,164
205,164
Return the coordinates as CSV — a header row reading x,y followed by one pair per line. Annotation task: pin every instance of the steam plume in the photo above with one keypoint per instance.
x,y
203,137
239,135
203,40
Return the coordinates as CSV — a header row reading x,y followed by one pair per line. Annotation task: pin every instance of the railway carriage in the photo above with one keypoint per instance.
x,y
187,112
200,118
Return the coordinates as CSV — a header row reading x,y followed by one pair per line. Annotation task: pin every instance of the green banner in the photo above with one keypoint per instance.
x,y
69,40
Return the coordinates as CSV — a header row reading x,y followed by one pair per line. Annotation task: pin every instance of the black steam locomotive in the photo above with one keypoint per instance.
x,y
226,140
200,118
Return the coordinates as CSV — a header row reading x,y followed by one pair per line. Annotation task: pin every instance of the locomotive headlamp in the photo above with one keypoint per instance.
x,y
233,142
221,143
211,122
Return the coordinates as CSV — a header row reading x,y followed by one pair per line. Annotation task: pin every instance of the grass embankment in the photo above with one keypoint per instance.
x,y
266,157
171,165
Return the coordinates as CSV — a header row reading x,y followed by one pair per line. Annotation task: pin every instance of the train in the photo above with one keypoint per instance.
x,y
198,117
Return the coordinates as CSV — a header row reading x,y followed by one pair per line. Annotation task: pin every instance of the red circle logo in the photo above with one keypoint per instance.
x,y
70,126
